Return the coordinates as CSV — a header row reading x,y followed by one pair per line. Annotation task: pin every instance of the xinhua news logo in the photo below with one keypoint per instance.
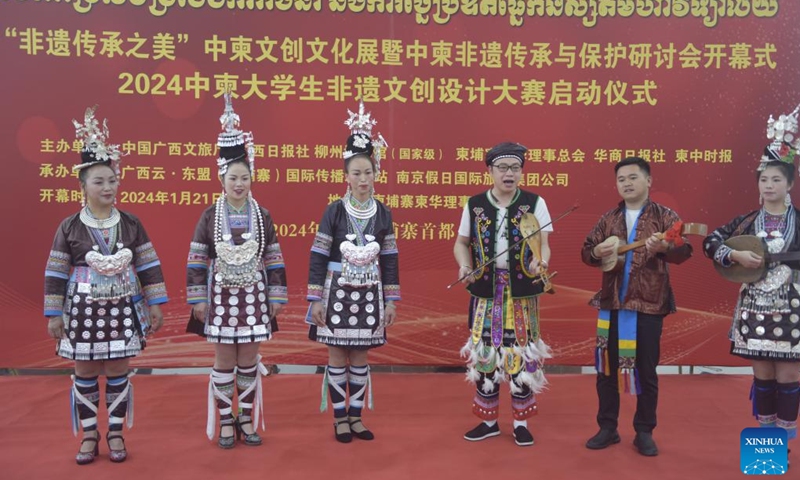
x,y
763,451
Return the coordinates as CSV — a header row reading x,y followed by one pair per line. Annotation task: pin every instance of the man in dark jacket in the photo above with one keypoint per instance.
x,y
633,302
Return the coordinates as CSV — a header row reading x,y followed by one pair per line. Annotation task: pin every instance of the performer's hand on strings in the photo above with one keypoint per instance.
x,y
656,245
604,249
199,311
275,309
55,327
390,312
317,314
747,258
464,270
156,318
536,267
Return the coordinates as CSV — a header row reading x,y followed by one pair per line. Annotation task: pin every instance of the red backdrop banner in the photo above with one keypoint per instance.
x,y
688,85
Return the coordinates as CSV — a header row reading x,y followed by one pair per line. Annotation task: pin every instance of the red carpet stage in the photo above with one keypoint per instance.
x,y
419,422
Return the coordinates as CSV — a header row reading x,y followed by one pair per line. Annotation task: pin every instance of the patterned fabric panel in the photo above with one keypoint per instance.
x,y
278,294
322,244
273,257
198,255
155,293
314,292
197,293
389,245
58,265
53,304
146,257
391,292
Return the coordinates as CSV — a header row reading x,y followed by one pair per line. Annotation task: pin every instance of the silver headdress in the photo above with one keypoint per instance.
x,y
784,142
233,143
95,149
361,140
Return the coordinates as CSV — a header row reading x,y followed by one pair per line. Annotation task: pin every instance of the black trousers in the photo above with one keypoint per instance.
x,y
648,350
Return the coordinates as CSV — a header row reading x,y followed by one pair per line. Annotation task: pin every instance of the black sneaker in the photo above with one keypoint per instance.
x,y
645,444
604,438
523,437
482,432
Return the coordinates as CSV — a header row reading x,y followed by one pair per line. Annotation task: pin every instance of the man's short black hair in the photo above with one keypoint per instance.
x,y
643,164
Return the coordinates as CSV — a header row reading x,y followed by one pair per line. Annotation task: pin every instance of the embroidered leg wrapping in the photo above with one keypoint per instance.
x,y
119,402
220,397
360,385
764,396
523,403
248,382
788,402
487,397
84,400
335,385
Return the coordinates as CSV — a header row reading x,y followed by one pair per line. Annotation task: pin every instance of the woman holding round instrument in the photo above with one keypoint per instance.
x,y
766,321
236,284
504,344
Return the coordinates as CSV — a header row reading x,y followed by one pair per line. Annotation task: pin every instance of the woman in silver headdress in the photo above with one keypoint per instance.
x,y
103,288
766,321
236,282
353,280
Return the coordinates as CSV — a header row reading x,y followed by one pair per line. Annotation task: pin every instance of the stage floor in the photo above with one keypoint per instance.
x,y
419,420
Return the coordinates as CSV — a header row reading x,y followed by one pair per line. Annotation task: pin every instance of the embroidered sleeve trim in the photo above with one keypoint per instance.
x,y
145,255
322,244
391,292
155,293
197,293
389,246
58,263
278,294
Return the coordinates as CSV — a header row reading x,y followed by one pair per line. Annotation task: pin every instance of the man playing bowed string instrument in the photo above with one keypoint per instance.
x,y
504,309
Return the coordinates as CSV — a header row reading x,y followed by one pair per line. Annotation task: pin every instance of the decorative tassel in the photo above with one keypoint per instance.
x,y
473,375
637,383
370,403
498,376
323,406
488,386
538,382
515,389
599,356
211,421
73,404
258,408
466,350
544,350
129,413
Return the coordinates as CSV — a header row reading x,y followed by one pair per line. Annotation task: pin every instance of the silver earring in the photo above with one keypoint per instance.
x,y
83,199
760,199
788,200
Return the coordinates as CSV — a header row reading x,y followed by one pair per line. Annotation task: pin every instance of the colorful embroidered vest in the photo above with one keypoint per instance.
x,y
483,233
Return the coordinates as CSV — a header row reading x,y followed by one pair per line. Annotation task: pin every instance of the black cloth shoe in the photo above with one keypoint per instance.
x,y
604,438
523,437
363,433
343,435
482,432
645,444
